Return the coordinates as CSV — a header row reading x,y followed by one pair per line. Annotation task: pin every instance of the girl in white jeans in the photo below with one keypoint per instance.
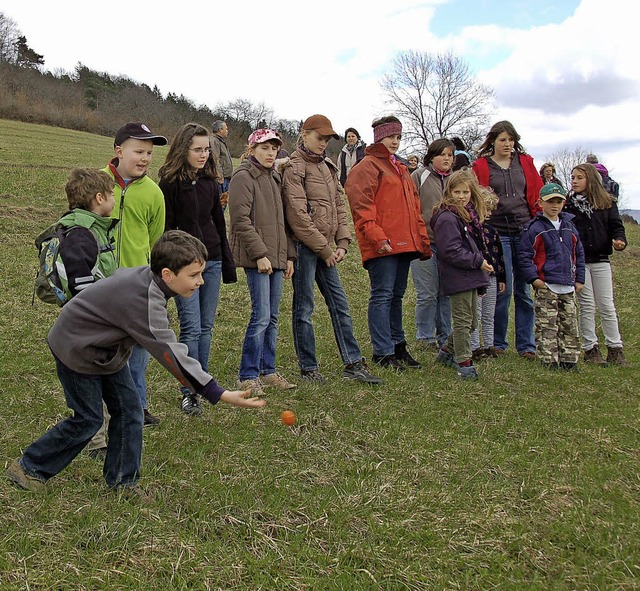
x,y
601,231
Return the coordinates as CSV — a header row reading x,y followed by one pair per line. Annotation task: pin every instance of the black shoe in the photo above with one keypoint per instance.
x,y
550,364
313,375
190,404
404,357
150,419
360,372
99,453
388,361
567,366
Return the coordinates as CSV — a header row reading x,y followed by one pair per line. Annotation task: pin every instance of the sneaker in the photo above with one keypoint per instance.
x,y
550,364
404,357
275,380
18,476
480,353
388,361
99,453
467,372
594,357
313,375
615,356
360,372
446,358
191,404
255,385
529,355
569,366
149,419
493,352
499,352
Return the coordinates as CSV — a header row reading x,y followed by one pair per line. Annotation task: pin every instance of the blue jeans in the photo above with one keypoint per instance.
x,y
521,290
433,308
388,277
84,394
309,268
197,315
259,347
138,367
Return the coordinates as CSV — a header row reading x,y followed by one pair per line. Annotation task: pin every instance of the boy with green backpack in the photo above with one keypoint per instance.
x,y
78,250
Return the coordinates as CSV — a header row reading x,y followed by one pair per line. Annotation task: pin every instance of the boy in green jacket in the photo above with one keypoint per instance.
x,y
140,209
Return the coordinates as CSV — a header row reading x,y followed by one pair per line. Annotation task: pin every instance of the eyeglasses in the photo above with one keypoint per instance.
x,y
200,150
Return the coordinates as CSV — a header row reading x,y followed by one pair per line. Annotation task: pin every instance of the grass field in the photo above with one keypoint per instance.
x,y
524,480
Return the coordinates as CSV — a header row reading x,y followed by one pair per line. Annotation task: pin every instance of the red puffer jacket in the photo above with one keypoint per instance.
x,y
385,206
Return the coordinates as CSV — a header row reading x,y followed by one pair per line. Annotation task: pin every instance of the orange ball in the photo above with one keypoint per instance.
x,y
288,417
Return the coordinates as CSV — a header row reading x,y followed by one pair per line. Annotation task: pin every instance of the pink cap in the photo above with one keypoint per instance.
x,y
259,136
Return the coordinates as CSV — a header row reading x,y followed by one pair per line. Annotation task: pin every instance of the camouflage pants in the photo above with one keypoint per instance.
x,y
556,326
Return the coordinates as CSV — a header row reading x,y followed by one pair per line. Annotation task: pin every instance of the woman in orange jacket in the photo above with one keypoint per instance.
x,y
391,233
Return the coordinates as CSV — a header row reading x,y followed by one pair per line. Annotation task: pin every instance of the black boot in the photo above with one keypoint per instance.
x,y
404,357
388,361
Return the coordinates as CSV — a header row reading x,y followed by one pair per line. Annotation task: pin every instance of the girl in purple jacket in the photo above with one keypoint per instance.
x,y
457,226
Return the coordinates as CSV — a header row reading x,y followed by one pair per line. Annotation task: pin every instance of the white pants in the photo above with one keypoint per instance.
x,y
486,312
598,294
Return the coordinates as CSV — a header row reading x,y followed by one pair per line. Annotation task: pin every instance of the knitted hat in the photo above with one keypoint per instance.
x,y
551,190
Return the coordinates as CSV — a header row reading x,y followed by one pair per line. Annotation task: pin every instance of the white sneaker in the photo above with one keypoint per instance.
x,y
275,380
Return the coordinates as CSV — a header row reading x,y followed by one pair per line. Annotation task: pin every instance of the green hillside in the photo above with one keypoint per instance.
x,y
525,480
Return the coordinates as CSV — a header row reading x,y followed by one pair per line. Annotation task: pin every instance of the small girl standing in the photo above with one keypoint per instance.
x,y
457,226
261,245
192,201
601,231
492,249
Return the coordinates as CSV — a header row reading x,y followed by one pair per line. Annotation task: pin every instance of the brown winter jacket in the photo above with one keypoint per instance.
x,y
385,206
257,218
314,203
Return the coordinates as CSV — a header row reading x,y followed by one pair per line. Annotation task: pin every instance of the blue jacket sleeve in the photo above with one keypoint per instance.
x,y
526,254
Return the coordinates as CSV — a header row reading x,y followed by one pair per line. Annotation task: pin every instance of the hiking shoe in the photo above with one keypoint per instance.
x,y
467,372
594,357
499,352
388,361
480,353
275,380
404,357
191,404
360,372
615,356
313,375
446,358
99,453
569,366
15,472
149,419
529,355
255,385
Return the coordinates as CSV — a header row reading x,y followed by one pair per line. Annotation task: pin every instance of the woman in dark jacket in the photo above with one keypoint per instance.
x,y
192,202
601,232
352,152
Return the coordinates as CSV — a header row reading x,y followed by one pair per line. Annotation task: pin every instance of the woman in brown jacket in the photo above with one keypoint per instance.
x,y
260,244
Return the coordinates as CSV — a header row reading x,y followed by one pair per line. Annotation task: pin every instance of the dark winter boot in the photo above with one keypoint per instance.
x,y
594,356
615,356
404,357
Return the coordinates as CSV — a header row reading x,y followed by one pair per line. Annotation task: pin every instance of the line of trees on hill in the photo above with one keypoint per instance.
x,y
99,102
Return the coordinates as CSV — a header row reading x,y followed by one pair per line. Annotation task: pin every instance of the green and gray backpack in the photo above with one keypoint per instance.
x,y
51,284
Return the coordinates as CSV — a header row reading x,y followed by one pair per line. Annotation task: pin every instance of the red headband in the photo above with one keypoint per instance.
x,y
385,130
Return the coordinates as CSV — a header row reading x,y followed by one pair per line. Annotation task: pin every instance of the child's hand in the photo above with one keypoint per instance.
x,y
385,248
241,398
289,270
539,284
502,286
579,286
619,244
340,254
264,266
487,267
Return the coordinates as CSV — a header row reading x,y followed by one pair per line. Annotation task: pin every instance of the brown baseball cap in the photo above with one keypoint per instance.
x,y
321,124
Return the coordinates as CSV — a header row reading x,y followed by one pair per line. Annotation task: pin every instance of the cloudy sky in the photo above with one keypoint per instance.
x,y
566,72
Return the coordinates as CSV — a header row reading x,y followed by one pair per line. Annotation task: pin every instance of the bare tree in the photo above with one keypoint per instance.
x,y
436,96
244,110
565,159
9,34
